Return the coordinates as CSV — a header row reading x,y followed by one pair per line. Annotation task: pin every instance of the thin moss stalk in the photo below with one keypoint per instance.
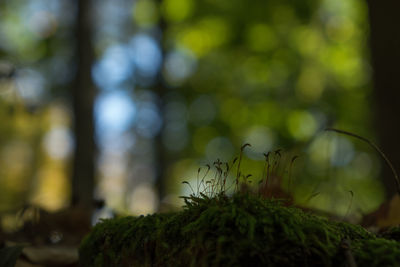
x,y
377,149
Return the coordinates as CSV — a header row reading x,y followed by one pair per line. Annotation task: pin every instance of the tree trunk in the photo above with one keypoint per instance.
x,y
160,89
83,93
384,21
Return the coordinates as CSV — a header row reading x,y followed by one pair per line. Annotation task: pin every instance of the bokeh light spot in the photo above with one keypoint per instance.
x,y
115,112
146,54
219,148
177,10
301,124
58,142
113,68
143,200
179,65
261,139
208,34
145,12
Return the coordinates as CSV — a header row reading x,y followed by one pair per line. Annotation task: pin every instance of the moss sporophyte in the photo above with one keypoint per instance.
x,y
219,226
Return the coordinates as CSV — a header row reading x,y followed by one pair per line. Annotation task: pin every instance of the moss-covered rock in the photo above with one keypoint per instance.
x,y
242,230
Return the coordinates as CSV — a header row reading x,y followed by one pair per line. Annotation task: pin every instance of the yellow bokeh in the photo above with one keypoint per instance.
x,y
19,38
177,10
25,124
346,64
145,12
206,35
340,29
16,158
308,40
52,188
301,124
320,150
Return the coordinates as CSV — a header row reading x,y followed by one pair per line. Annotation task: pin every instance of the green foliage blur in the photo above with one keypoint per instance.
x,y
275,74
270,73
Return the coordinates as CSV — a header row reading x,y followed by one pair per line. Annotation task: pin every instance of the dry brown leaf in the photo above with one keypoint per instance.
x,y
51,255
388,214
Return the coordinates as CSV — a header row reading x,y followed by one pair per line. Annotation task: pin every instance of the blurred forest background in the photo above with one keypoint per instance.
x,y
123,100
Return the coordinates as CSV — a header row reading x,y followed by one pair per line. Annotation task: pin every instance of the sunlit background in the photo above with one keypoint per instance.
x,y
270,73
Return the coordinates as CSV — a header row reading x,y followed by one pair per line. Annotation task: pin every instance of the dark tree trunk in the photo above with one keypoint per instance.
x,y
384,21
160,90
83,93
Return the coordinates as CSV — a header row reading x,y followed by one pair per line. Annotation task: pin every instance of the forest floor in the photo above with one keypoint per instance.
x,y
44,238
249,226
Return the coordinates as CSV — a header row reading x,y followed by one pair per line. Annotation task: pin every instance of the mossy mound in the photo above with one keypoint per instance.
x,y
242,230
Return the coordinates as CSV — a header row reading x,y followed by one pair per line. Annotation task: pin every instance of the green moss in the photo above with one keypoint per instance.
x,y
242,230
392,233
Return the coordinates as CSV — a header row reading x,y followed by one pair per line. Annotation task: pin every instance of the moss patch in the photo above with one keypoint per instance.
x,y
241,230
